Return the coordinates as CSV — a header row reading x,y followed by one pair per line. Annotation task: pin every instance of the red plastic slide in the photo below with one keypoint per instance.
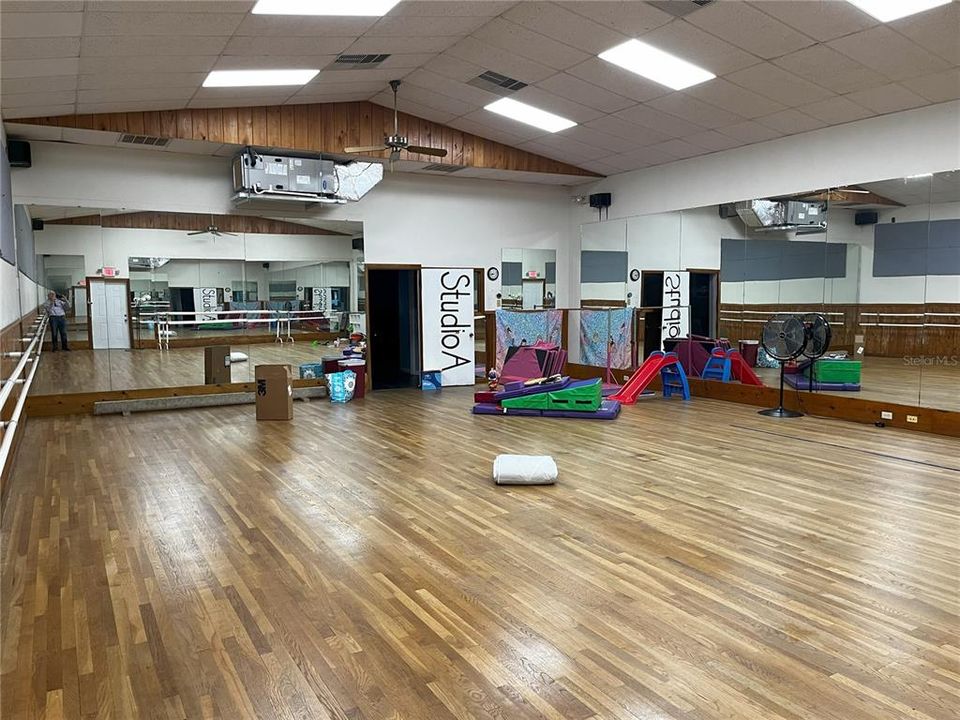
x,y
741,371
641,378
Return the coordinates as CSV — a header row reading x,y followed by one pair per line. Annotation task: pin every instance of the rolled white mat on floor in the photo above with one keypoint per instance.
x,y
524,470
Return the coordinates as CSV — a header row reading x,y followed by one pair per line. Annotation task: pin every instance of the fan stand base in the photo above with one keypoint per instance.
x,y
780,412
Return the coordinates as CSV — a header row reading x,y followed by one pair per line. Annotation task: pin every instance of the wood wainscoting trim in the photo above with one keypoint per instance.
x,y
939,422
82,403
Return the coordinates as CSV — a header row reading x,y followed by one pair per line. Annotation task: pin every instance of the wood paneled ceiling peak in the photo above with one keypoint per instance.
x,y
190,222
316,128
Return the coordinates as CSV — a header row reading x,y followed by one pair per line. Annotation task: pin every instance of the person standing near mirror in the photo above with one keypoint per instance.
x,y
56,307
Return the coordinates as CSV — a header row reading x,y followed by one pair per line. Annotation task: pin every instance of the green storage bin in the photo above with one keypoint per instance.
x,y
837,371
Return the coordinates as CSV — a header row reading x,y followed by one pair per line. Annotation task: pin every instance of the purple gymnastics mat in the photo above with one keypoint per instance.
x,y
801,382
609,409
532,389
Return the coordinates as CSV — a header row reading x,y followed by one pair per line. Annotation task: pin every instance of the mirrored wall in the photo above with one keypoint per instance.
x,y
528,279
879,261
146,294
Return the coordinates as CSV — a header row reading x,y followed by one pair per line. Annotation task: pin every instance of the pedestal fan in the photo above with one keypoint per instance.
x,y
784,339
818,334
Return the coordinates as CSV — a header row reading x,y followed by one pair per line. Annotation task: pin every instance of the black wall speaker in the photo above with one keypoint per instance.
x,y
36,223
865,217
727,210
600,200
18,153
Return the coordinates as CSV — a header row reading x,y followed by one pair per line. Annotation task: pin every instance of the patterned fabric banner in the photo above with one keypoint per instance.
x,y
527,328
603,330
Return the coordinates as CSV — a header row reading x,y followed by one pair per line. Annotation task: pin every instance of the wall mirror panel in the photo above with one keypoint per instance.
x,y
528,278
150,291
604,264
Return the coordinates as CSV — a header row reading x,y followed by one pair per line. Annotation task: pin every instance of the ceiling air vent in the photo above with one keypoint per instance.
x,y
144,140
497,83
353,62
442,168
680,9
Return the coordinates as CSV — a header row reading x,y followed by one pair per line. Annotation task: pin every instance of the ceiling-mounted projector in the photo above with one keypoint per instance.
x,y
269,176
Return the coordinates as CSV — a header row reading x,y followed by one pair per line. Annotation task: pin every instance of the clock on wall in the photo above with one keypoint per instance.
x,y
492,273
634,275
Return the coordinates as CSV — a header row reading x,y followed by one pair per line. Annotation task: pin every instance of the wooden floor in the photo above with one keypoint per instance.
x,y
96,370
695,561
896,381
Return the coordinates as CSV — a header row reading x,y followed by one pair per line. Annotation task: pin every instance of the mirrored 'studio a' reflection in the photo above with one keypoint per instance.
x,y
147,292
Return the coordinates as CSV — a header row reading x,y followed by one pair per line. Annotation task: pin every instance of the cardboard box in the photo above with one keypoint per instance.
x,y
274,392
216,364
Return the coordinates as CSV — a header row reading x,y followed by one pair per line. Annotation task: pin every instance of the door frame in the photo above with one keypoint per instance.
x,y
367,267
716,309
98,278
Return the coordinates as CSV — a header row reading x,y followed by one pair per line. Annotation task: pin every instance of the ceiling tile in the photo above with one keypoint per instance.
x,y
407,60
292,46
407,26
104,81
581,91
452,8
452,88
53,83
431,99
734,98
148,64
38,111
890,53
751,132
331,93
40,68
450,66
172,94
37,48
644,157
251,95
135,45
701,48
470,125
501,61
937,30
125,106
600,166
566,26
598,139
820,19
300,26
518,39
171,6
538,97
826,67
61,6
662,122
40,24
631,18
778,84
937,87
749,29
324,87
888,98
405,105
274,62
677,149
564,148
638,135
713,141
389,44
497,123
166,24
618,80
695,111
835,110
15,100
791,122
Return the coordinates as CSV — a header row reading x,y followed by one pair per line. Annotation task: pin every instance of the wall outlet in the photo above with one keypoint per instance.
x,y
912,418
886,415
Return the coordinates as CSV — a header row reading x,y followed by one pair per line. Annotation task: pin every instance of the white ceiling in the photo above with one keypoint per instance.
x,y
783,66
942,187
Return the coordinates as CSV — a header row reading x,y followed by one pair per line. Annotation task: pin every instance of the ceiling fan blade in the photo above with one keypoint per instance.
x,y
365,148
198,232
420,150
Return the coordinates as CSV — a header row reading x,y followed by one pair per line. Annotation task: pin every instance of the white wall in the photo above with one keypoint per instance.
x,y
408,218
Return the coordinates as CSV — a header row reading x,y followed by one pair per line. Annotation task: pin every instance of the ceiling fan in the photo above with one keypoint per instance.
x,y
396,142
212,230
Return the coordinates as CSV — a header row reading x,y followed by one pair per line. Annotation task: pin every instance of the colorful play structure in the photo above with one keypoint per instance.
x,y
729,365
555,396
673,378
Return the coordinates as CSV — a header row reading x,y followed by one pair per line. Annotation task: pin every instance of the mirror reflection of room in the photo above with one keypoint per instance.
x,y
151,291
528,278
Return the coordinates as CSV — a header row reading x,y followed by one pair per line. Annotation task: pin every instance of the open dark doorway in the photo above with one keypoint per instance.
x,y
393,316
704,302
651,300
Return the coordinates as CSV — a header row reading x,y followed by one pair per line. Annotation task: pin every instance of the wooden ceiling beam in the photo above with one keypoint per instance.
x,y
316,128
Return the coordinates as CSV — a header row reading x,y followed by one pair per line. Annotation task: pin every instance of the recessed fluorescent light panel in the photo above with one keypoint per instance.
x,y
258,78
889,10
530,115
657,65
918,176
369,8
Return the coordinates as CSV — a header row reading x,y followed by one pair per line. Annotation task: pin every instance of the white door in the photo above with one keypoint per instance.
x,y
108,315
447,313
533,294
